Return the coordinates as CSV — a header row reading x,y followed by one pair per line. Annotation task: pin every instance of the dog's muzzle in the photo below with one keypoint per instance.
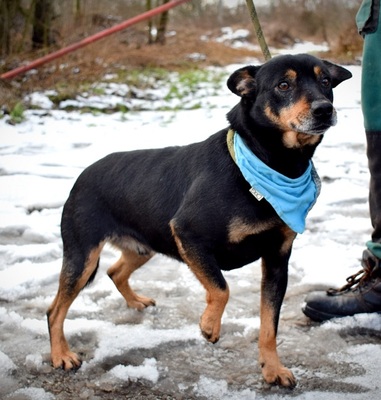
x,y
322,109
324,116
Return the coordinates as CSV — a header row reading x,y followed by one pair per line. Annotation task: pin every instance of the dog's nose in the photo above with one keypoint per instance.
x,y
322,108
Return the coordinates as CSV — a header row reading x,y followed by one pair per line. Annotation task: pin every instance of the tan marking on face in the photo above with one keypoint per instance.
x,y
305,138
270,115
293,116
239,229
289,120
317,71
290,117
293,140
291,74
290,139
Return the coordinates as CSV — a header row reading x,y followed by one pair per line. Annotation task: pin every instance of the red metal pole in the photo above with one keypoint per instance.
x,y
93,38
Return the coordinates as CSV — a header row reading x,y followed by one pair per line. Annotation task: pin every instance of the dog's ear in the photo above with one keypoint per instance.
x,y
338,74
242,81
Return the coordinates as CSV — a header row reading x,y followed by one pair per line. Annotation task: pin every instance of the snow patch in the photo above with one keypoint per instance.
x,y
219,390
31,394
6,365
148,371
116,340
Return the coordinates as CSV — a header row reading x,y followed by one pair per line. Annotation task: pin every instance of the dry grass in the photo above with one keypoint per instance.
x,y
128,50
114,53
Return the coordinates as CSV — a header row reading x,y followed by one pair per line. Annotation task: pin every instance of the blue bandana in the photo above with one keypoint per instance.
x,y
292,199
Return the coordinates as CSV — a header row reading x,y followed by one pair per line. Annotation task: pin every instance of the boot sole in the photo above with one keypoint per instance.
x,y
319,316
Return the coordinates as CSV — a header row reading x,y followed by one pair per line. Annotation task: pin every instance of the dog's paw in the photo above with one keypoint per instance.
x,y
279,375
210,328
141,302
66,361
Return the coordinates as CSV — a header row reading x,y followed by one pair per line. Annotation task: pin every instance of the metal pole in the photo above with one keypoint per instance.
x,y
93,38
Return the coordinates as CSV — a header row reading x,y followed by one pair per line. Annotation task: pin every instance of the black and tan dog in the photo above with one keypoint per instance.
x,y
195,203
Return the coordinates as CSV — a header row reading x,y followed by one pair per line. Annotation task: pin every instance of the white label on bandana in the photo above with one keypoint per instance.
x,y
256,194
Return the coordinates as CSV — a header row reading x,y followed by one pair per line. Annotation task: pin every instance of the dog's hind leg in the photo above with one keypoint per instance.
x,y
121,271
69,288
205,268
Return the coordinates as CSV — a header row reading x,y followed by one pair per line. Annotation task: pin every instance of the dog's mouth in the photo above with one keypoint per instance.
x,y
314,127
315,131
306,133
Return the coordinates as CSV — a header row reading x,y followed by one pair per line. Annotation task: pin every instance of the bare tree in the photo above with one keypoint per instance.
x,y
42,24
150,25
77,9
8,11
162,27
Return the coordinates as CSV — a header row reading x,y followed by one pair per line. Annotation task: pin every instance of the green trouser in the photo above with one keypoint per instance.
x,y
369,24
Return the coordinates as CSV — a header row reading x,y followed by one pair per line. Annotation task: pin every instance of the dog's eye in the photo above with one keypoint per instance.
x,y
325,82
283,86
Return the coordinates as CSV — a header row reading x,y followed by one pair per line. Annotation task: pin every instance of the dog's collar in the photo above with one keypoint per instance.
x,y
230,143
292,199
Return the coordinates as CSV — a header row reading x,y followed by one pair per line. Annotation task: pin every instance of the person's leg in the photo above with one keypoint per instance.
x,y
374,162
371,108
362,293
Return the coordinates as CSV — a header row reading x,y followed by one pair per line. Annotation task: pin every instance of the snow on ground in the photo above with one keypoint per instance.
x,y
162,348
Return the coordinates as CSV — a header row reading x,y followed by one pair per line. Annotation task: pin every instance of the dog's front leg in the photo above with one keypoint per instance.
x,y
274,284
205,268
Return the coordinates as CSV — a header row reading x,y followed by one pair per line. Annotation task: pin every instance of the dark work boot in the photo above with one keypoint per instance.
x,y
362,294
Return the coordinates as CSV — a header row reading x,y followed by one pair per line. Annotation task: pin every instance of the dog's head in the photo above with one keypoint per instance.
x,y
292,94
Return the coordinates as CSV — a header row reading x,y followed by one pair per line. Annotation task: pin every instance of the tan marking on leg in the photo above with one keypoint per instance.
x,y
121,271
272,369
60,353
210,322
216,298
289,237
238,229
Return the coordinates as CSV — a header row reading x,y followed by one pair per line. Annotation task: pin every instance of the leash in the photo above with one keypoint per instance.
x,y
258,30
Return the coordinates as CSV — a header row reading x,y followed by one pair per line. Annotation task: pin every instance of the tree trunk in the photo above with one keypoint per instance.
x,y
162,28
149,27
43,16
6,17
220,12
77,10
